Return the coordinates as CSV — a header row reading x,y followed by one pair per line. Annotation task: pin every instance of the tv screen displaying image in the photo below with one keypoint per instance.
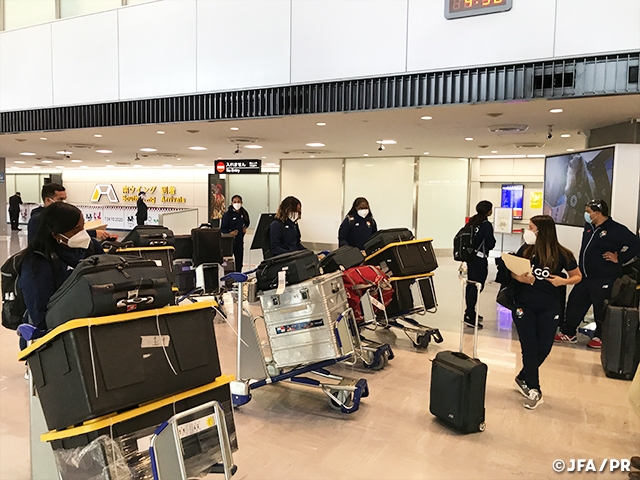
x,y
571,180
512,197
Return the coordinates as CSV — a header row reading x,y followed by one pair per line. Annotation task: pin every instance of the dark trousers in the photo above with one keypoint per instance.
x,y
536,320
590,291
477,271
140,221
14,219
238,254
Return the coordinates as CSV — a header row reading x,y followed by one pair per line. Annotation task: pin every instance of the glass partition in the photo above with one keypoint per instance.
x,y
23,13
257,192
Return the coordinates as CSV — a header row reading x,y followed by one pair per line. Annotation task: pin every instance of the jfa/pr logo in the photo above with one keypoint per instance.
x,y
590,465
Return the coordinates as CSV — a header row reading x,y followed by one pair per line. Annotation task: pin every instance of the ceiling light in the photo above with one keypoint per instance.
x,y
234,128
197,148
312,156
200,165
147,149
47,161
425,153
264,157
469,139
494,151
321,124
178,158
64,152
27,154
556,110
43,138
565,135
570,150
108,160
253,146
386,142
76,161
426,117
104,151
160,132
315,144
97,135
20,161
365,154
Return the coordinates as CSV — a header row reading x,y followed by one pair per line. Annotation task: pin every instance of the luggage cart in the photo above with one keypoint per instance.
x,y
254,370
423,301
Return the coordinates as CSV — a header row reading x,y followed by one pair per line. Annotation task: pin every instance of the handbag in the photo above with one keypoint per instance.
x,y
506,295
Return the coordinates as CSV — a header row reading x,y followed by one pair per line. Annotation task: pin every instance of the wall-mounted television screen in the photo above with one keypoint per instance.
x,y
571,180
512,197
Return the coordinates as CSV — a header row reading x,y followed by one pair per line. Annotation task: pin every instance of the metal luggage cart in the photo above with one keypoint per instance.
x,y
255,370
419,334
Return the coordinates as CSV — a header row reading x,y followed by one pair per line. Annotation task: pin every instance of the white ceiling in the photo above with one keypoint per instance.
x,y
345,135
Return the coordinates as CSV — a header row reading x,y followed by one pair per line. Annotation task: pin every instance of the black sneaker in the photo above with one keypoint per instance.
x,y
472,322
521,386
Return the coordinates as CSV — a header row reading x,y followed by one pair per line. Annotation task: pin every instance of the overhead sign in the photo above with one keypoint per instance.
x,y
106,189
238,166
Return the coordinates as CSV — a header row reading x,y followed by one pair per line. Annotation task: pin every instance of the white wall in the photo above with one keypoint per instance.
x,y
173,47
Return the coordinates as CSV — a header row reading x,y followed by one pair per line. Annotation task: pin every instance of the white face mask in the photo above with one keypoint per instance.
x,y
363,213
529,237
237,206
294,216
79,240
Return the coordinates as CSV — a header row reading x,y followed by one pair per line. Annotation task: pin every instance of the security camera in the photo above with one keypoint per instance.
x,y
549,136
550,132
237,150
380,147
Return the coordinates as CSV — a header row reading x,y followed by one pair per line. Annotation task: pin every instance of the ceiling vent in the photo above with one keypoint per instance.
x,y
306,152
508,128
242,140
123,163
529,145
166,155
81,146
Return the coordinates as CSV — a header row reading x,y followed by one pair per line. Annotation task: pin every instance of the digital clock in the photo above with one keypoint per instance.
x,y
470,8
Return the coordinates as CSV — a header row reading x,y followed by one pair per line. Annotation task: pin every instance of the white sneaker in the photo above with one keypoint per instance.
x,y
535,399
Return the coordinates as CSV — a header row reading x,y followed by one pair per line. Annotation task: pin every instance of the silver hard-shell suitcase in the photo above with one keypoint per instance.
x,y
307,322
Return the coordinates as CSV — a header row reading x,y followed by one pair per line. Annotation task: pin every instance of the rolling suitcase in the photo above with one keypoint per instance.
x,y
298,267
382,238
402,259
150,236
207,246
109,285
162,256
185,275
342,259
184,247
620,353
458,386
410,294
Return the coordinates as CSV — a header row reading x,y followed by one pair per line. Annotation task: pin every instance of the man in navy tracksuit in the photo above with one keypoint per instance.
x,y
606,246
236,221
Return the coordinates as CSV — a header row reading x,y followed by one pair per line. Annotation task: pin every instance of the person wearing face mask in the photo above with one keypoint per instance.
x,y
57,247
236,221
478,268
537,306
606,246
284,233
358,226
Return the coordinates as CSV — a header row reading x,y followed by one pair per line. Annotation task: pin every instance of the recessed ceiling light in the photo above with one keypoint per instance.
x,y
167,165
494,151
43,138
425,153
103,151
315,144
147,149
565,135
19,161
76,161
47,161
312,156
365,154
160,132
426,117
264,157
178,158
108,160
253,146
321,124
199,164
197,148
386,142
97,135
570,150
469,139
64,152
556,110
27,154
234,128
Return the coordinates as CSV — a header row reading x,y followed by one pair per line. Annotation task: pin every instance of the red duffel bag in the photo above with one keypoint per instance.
x,y
362,279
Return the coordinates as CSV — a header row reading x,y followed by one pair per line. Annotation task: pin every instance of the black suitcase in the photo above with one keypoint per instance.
x,y
620,353
162,256
184,247
150,236
299,266
413,257
382,238
207,246
185,275
342,259
404,300
226,244
458,386
109,285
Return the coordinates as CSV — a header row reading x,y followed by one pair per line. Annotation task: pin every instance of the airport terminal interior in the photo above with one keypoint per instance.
x,y
374,110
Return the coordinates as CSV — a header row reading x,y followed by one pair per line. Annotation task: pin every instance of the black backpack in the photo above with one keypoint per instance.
x,y
463,249
13,306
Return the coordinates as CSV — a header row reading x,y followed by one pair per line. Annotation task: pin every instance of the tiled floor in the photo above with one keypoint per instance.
x,y
289,432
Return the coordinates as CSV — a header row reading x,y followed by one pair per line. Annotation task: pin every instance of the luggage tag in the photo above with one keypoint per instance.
x,y
282,282
376,303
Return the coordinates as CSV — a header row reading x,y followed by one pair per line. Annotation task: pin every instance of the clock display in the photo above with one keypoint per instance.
x,y
469,8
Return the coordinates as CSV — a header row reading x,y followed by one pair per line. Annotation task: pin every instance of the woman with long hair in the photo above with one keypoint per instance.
x,y
284,233
358,226
537,301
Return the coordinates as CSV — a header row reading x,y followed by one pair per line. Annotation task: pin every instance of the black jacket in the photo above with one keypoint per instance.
x,y
284,237
483,239
141,214
355,231
235,220
611,236
14,203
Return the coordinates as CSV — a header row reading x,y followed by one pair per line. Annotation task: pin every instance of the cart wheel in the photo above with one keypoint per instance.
x,y
378,364
422,341
482,426
273,370
344,396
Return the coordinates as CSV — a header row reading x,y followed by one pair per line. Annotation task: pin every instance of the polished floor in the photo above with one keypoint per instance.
x,y
289,432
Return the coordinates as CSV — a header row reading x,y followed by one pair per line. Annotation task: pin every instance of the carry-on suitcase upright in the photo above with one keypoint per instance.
x,y
458,385
382,238
207,246
343,258
401,259
184,247
620,353
298,267
162,256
